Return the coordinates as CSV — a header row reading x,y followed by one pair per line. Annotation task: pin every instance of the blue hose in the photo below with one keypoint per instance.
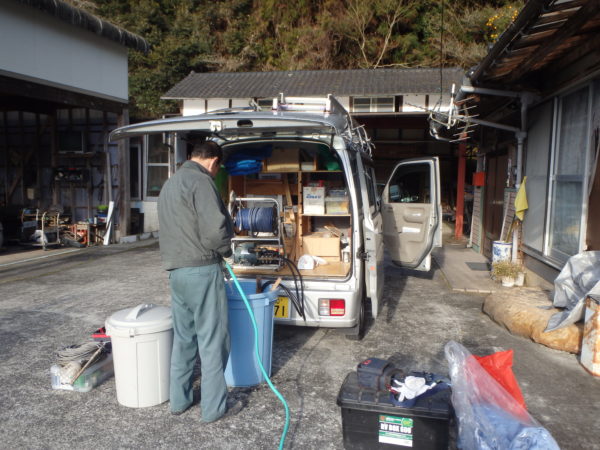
x,y
257,219
260,364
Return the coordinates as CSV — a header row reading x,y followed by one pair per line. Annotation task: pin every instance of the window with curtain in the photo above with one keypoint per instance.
x,y
567,177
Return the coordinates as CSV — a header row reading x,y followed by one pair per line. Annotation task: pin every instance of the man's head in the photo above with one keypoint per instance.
x,y
209,155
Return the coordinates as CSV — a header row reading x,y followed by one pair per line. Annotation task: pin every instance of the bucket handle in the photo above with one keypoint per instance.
x,y
135,312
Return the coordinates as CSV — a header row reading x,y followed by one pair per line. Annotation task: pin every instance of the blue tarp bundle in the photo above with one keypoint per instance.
x,y
247,161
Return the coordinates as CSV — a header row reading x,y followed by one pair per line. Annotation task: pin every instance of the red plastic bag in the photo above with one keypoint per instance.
x,y
499,366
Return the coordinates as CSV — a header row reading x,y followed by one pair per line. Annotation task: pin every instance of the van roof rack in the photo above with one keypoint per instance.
x,y
328,106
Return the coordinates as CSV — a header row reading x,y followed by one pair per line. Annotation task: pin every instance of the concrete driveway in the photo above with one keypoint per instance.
x,y
49,303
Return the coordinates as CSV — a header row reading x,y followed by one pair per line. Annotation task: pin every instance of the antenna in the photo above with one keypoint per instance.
x,y
457,117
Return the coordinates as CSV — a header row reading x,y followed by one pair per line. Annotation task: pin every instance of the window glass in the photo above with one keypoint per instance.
x,y
569,166
157,151
157,164
371,190
361,104
134,171
265,103
384,104
373,104
411,183
157,175
537,161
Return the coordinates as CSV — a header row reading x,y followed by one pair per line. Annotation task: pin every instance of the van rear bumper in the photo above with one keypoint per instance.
x,y
311,310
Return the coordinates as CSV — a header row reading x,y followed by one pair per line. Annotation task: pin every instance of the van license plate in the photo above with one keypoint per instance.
x,y
281,308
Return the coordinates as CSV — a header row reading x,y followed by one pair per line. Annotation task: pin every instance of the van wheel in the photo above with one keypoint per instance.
x,y
357,332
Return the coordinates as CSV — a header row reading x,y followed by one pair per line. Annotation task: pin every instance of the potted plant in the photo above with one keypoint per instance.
x,y
506,271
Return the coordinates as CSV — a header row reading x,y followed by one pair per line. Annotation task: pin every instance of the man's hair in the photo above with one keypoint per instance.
x,y
207,150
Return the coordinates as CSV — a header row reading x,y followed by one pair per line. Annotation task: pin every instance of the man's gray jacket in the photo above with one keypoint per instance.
x,y
195,227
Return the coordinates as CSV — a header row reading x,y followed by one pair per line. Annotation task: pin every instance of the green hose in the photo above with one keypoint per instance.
x,y
262,369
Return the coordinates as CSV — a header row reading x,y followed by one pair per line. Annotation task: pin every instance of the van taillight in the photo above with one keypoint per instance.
x,y
332,307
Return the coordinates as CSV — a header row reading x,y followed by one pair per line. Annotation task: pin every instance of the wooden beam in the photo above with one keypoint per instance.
x,y
15,103
591,44
567,5
62,98
574,23
5,132
124,193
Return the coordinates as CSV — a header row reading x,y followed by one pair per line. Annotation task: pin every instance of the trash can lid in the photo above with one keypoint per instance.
x,y
146,318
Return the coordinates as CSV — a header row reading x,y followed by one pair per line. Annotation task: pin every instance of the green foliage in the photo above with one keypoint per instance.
x,y
247,35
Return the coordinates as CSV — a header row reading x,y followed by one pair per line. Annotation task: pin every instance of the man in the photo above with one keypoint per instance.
x,y
195,234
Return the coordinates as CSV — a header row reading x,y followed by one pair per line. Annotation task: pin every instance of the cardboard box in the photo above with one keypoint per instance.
x,y
313,200
321,244
336,205
283,160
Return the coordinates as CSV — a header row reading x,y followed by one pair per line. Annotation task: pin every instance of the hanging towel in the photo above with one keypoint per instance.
x,y
521,201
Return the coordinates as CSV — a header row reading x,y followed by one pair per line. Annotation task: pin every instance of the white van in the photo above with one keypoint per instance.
x,y
300,181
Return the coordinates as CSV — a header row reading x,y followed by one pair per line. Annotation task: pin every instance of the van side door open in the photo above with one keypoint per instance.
x,y
411,213
372,227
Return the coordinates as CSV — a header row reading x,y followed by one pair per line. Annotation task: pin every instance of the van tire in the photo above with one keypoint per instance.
x,y
357,332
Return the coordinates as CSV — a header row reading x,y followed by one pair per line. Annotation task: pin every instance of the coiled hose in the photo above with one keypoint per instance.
x,y
257,220
259,359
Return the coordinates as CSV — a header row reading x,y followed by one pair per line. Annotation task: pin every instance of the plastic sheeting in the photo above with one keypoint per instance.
x,y
575,281
489,418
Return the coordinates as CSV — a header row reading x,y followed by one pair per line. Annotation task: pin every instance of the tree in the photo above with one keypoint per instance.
x,y
259,35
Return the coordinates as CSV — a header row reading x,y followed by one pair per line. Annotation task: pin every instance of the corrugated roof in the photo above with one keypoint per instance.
x,y
315,82
80,18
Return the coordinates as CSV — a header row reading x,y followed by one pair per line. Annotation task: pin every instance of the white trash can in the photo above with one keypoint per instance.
x,y
142,340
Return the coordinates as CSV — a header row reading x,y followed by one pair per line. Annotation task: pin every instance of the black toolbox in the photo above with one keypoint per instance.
x,y
371,421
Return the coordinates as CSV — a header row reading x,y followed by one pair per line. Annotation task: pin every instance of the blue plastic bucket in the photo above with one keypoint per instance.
x,y
242,367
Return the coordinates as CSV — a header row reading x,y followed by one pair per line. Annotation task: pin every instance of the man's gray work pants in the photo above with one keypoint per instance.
x,y
200,323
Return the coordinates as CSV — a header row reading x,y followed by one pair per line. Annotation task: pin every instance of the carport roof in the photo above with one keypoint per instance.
x,y
355,82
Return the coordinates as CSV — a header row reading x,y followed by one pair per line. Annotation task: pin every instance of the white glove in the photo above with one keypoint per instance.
x,y
412,387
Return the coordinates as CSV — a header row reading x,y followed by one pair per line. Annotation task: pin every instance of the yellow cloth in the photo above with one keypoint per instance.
x,y
521,201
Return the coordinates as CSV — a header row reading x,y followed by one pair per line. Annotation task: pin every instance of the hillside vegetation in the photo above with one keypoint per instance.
x,y
262,35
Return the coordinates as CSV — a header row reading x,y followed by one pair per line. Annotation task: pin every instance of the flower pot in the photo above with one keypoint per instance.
x,y
520,280
508,281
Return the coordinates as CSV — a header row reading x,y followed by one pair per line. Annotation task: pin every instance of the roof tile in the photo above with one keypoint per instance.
x,y
315,82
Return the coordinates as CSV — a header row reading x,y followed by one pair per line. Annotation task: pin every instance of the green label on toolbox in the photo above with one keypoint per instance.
x,y
396,430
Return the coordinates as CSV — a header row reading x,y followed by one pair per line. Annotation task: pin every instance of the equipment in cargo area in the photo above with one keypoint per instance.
x,y
258,240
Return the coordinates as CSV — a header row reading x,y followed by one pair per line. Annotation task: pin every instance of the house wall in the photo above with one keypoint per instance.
x,y
37,47
193,106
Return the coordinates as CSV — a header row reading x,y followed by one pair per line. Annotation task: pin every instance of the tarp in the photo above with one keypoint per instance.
x,y
576,280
